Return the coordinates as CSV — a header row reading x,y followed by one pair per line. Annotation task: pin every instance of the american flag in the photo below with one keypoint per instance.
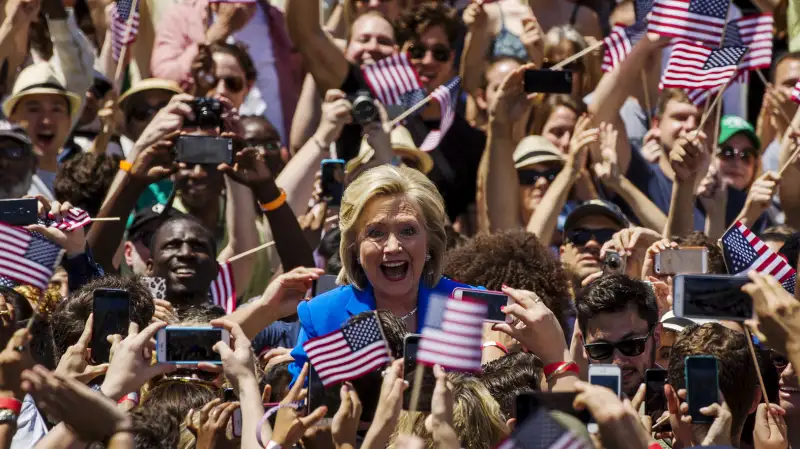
x,y
349,353
447,96
693,66
542,431
744,251
27,257
75,219
620,42
755,33
223,288
394,81
641,8
695,20
120,12
452,333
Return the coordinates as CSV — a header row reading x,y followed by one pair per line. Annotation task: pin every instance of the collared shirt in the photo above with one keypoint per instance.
x,y
31,426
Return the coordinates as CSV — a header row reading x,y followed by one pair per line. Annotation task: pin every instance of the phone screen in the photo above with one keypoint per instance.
x,y
192,345
19,212
548,81
495,301
332,180
527,404
684,260
210,150
605,380
111,310
719,297
701,386
655,402
411,346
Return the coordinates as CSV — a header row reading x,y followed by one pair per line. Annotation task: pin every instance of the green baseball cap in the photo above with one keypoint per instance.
x,y
733,124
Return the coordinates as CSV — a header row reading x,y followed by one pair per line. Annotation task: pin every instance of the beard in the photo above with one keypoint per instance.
x,y
17,190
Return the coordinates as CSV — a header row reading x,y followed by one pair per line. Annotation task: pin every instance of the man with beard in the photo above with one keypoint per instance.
x,y
618,319
586,229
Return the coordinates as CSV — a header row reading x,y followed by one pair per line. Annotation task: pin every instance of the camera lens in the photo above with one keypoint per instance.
x,y
364,110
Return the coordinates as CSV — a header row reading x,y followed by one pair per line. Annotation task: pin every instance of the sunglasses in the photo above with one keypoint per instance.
x,y
778,361
530,177
582,236
441,53
264,144
747,155
232,83
631,347
142,112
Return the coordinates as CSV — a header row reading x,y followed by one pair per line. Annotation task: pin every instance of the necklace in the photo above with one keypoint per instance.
x,y
409,314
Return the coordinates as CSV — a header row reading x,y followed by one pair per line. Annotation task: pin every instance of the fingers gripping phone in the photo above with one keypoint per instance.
x,y
711,297
228,395
683,260
111,312
495,300
655,402
702,385
609,376
189,345
410,348
548,81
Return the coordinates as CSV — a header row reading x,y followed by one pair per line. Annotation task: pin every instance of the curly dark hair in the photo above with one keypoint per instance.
x,y
517,259
716,261
415,21
239,52
510,376
85,179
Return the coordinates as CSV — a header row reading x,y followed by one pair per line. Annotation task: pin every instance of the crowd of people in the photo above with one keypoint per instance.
x,y
221,151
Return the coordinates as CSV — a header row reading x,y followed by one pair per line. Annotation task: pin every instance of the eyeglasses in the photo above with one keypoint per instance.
x,y
441,53
747,155
265,144
232,83
531,177
778,361
582,236
631,347
143,112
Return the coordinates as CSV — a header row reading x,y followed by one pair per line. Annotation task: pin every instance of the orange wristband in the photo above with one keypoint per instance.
x,y
125,166
274,204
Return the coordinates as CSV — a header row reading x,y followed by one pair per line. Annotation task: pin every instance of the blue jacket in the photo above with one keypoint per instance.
x,y
329,311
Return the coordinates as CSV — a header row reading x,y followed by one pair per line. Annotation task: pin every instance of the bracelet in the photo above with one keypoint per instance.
x,y
273,445
320,145
497,345
263,420
557,368
274,204
11,404
125,166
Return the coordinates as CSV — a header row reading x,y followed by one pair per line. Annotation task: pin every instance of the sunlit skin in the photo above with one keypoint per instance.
x,y
787,73
389,8
47,121
226,66
558,127
432,73
735,171
392,244
372,39
618,326
585,260
678,119
531,195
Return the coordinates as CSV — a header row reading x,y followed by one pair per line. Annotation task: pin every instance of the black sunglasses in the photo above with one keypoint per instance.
x,y
582,236
631,347
747,155
142,112
265,144
441,53
232,83
778,361
530,177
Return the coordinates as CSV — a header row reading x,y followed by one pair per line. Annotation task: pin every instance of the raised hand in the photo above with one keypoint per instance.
x,y
289,426
164,311
13,359
475,16
336,113
617,421
231,17
606,169
511,101
154,163
73,242
688,156
778,313
651,146
389,407
22,12
286,291
761,192
584,137
238,363
167,122
533,39
769,431
249,167
75,361
440,422
345,422
210,423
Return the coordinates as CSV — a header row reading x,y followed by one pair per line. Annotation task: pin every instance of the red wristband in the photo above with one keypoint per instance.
x,y
654,446
133,397
11,404
562,367
496,344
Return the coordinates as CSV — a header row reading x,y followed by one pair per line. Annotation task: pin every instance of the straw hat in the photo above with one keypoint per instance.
x,y
402,145
150,84
41,79
534,150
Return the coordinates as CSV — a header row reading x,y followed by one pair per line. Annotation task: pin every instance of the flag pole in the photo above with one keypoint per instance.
x,y
410,111
766,84
788,162
647,104
417,389
577,55
124,52
755,363
251,251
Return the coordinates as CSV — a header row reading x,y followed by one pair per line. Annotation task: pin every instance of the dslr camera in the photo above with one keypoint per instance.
x,y
364,110
207,114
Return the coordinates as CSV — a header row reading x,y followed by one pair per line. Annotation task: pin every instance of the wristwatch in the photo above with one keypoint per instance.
x,y
7,416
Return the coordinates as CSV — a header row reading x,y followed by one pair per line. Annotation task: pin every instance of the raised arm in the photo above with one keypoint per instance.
x,y
14,39
240,222
790,178
686,158
306,116
476,46
321,56
73,56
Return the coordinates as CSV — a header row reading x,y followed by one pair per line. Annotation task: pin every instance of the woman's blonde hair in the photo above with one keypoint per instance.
x,y
384,181
477,419
590,64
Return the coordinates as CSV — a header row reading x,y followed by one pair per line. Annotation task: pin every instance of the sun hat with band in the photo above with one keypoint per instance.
x,y
536,150
731,125
402,145
148,85
39,79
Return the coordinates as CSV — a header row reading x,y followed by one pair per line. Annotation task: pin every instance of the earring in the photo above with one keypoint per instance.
x,y
428,257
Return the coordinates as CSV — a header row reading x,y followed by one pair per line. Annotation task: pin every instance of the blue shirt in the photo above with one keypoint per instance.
x,y
329,311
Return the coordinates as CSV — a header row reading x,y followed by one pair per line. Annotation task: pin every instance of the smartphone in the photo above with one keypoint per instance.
x,y
711,297
332,180
207,150
683,260
325,283
495,301
609,376
318,395
189,345
702,385
111,309
410,348
655,401
19,212
228,395
526,405
548,81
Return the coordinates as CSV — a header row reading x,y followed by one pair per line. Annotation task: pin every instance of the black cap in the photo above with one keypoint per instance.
x,y
18,134
596,207
146,221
